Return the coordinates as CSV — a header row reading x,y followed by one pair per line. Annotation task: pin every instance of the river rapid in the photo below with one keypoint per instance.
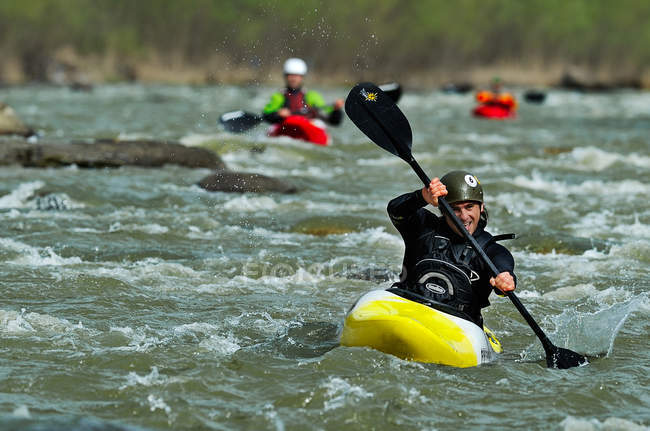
x,y
132,299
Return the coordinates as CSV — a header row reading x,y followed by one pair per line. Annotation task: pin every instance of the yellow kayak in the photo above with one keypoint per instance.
x,y
413,331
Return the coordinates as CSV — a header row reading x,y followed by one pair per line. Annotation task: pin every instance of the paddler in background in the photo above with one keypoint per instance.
x,y
439,264
496,97
294,101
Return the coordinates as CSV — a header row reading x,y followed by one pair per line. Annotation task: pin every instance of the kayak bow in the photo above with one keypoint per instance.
x,y
409,330
495,111
299,127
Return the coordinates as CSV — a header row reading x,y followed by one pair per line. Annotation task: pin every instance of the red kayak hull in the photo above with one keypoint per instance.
x,y
493,111
299,127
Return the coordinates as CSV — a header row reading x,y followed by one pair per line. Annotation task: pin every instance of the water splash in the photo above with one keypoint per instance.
x,y
19,197
594,333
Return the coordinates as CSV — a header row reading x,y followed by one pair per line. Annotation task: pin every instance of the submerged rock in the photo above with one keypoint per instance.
x,y
557,150
10,124
329,225
242,182
107,153
51,202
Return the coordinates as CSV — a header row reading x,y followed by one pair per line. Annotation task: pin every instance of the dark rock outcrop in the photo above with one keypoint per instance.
x,y
457,88
582,82
326,224
10,124
146,153
241,182
534,96
107,153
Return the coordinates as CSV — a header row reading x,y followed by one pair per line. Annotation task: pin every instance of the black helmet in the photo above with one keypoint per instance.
x,y
462,186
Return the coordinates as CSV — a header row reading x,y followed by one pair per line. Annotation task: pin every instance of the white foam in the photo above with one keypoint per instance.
x,y
151,228
22,412
11,214
246,203
374,237
276,277
33,256
223,346
639,249
341,393
520,204
19,197
415,397
595,159
381,161
276,237
637,229
626,189
568,293
198,139
195,328
133,136
152,273
85,230
156,403
527,293
571,423
138,339
151,379
593,223
481,138
14,323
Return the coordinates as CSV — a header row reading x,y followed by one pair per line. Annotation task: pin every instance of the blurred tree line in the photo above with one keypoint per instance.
x,y
346,39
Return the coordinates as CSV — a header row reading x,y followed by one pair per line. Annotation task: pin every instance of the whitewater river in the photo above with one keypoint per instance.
x,y
131,299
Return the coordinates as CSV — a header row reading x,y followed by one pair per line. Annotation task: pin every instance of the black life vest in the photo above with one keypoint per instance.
x,y
446,274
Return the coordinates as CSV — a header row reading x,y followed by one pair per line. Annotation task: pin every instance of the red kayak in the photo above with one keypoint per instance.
x,y
494,110
299,127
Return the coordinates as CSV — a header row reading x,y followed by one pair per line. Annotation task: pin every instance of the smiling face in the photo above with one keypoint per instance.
x,y
469,213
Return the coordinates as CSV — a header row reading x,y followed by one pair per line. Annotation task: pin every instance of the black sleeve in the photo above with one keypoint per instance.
x,y
408,215
405,206
502,260
336,117
272,117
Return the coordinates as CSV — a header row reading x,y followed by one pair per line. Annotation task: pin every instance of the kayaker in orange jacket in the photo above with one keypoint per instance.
x,y
496,97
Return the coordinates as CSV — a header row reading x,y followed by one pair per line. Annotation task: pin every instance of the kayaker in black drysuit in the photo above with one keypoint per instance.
x,y
439,264
293,101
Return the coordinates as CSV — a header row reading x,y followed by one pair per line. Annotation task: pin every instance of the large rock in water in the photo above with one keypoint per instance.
x,y
10,124
107,153
241,182
584,81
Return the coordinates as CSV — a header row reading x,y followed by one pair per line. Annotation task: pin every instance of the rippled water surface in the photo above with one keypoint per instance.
x,y
141,301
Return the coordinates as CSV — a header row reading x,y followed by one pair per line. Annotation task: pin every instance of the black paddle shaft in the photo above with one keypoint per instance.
x,y
377,116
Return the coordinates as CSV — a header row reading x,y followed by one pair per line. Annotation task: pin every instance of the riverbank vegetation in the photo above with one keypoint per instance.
x,y
245,41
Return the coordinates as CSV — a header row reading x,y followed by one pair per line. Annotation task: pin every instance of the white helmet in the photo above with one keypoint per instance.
x,y
295,66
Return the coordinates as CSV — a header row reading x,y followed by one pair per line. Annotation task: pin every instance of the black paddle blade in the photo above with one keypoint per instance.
x,y
393,89
560,358
239,121
376,115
